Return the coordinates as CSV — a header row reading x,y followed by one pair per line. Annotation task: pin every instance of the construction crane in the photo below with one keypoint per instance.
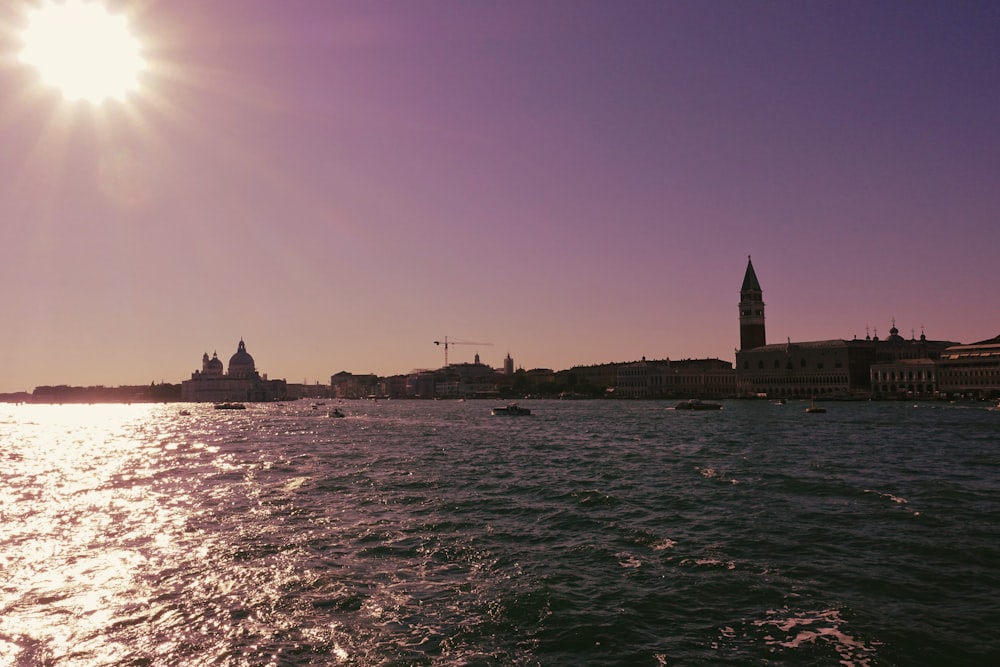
x,y
447,343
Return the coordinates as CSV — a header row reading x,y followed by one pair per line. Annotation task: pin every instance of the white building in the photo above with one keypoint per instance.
x,y
971,371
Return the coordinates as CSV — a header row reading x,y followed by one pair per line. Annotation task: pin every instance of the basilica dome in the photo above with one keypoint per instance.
x,y
241,364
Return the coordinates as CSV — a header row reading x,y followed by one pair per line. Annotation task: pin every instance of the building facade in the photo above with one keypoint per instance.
x,y
687,378
970,371
815,369
350,386
832,368
906,378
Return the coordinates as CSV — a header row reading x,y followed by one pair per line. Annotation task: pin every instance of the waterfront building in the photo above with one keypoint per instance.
x,y
970,371
897,348
906,368
829,368
475,380
393,386
687,378
905,378
794,370
351,386
594,379
295,391
241,382
420,384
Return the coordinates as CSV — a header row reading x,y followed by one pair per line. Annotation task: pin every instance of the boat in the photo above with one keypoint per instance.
x,y
336,413
813,408
695,404
230,406
510,409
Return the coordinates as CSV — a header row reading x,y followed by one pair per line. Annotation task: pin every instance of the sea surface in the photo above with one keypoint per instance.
x,y
431,533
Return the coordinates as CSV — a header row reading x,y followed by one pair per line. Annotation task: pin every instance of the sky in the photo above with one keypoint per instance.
x,y
340,184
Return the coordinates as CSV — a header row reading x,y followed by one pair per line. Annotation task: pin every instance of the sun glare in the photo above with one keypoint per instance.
x,y
82,50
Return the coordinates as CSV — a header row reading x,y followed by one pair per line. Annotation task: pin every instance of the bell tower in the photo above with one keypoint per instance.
x,y
751,311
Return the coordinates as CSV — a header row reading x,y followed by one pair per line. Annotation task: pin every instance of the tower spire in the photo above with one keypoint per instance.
x,y
752,332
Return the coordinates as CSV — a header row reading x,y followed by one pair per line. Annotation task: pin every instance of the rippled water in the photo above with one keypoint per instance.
x,y
409,533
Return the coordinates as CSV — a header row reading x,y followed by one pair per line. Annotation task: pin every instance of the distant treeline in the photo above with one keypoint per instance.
x,y
153,393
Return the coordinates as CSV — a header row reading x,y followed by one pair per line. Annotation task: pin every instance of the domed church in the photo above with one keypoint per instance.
x,y
241,382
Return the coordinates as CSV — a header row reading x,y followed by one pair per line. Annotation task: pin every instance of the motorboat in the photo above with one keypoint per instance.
x,y
813,408
510,409
695,404
230,406
337,413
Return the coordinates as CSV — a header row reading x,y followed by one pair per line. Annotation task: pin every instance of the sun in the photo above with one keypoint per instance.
x,y
82,50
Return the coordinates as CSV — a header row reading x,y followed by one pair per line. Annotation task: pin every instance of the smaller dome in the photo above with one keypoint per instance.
x,y
211,367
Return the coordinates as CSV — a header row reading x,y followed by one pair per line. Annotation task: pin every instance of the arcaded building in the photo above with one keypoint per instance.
x,y
241,382
825,368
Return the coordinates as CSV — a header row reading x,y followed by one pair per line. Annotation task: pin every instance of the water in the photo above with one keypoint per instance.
x,y
430,533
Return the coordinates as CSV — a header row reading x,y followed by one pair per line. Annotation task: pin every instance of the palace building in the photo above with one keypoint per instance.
x,y
828,368
241,382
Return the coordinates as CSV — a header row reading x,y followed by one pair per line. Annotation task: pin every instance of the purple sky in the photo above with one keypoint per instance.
x,y
343,183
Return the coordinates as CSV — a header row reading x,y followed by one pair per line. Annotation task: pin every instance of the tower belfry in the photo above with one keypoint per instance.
x,y
751,311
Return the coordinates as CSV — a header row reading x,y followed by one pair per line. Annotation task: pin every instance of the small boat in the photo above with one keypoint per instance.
x,y
511,409
695,404
813,408
337,413
184,413
230,406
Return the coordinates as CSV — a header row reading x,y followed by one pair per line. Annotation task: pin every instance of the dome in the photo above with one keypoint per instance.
x,y
212,367
241,363
894,336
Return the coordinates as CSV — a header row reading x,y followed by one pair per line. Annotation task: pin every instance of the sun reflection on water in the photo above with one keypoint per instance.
x,y
81,515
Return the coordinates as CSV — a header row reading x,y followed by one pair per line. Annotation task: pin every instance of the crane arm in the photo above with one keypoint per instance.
x,y
447,343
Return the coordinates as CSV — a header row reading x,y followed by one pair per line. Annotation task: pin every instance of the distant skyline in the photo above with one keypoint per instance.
x,y
341,184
